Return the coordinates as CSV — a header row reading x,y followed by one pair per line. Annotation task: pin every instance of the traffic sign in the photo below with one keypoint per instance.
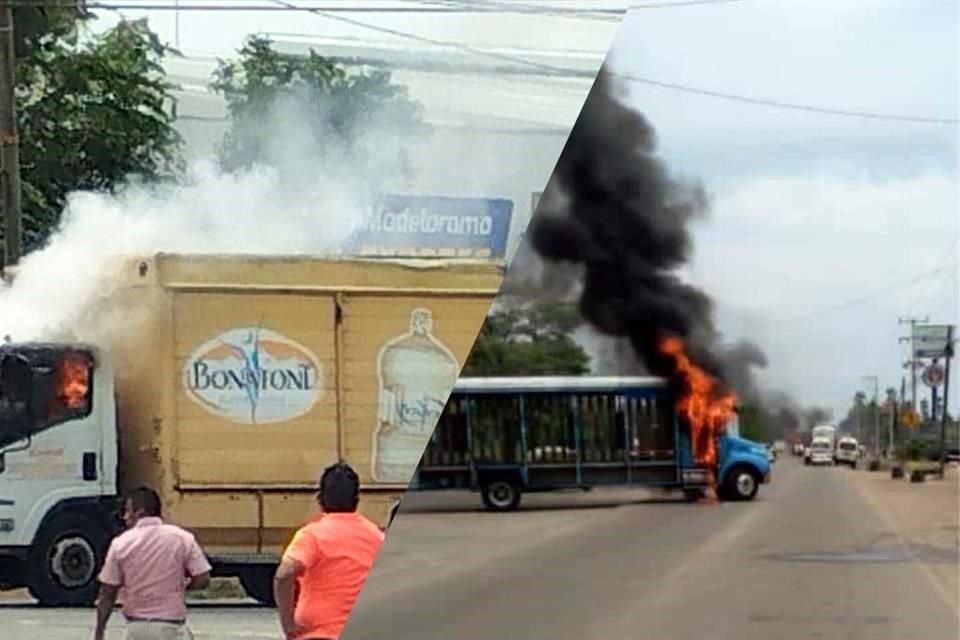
x,y
910,419
930,340
933,376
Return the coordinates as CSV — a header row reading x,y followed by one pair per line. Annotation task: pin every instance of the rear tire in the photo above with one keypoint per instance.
x,y
501,495
64,561
258,583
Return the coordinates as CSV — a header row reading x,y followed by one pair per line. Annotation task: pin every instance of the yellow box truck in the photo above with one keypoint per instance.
x,y
228,384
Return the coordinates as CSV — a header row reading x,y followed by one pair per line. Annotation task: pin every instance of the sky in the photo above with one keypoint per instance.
x,y
823,230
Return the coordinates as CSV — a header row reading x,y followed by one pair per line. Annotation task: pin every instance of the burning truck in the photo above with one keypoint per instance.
x,y
615,216
227,385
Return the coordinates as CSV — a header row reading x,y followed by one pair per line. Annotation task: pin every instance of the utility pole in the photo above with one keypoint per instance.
x,y
948,353
176,24
9,144
876,411
912,321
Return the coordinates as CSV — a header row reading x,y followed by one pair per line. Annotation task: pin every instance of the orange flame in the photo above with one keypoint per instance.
x,y
704,405
73,382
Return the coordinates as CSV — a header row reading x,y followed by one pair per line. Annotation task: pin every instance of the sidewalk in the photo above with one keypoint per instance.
x,y
926,517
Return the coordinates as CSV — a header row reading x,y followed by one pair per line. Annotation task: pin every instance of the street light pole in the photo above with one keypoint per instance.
x,y
876,412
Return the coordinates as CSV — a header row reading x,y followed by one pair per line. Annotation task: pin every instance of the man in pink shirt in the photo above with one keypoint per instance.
x,y
151,564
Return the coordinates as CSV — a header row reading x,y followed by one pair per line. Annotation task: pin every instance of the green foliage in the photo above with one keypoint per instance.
x,y
529,340
35,24
349,114
910,450
752,426
91,116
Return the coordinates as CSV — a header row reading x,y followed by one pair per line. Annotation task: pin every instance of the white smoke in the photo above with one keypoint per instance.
x,y
307,202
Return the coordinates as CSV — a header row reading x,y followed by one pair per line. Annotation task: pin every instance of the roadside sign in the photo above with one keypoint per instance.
x,y
933,376
930,340
910,419
404,226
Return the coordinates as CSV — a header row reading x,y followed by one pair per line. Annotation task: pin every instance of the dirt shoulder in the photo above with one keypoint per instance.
x,y
926,518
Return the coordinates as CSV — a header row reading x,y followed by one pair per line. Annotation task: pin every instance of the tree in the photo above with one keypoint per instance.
x,y
533,339
351,115
34,24
92,115
753,425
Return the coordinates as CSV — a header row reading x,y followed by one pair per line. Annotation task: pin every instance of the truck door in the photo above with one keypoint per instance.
x,y
50,441
52,469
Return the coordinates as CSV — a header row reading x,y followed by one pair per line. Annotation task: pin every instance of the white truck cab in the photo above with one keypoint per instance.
x,y
821,451
58,469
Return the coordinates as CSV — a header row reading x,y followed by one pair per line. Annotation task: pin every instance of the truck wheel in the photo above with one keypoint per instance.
x,y
501,495
258,583
742,484
64,561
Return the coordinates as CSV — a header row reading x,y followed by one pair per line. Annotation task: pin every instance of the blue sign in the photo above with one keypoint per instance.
x,y
435,227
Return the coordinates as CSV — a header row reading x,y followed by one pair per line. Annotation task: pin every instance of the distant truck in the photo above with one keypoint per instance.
x,y
820,452
504,437
238,380
826,433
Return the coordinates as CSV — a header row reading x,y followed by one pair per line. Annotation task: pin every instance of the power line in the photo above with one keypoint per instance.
x,y
632,77
919,277
212,5
684,3
550,69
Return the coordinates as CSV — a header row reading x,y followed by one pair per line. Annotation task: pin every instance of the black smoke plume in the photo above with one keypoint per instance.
x,y
612,207
612,229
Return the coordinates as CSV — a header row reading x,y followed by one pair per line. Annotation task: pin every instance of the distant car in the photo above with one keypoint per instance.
x,y
953,455
799,449
848,452
771,453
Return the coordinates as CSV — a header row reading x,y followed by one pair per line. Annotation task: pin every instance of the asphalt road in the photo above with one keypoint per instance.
x,y
809,559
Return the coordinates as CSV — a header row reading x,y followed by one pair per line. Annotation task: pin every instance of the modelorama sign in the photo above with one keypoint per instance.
x,y
417,226
252,375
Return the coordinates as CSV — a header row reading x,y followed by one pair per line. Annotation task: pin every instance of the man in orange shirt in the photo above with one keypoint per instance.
x,y
326,564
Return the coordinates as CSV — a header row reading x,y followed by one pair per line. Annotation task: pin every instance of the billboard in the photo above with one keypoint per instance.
x,y
435,226
930,341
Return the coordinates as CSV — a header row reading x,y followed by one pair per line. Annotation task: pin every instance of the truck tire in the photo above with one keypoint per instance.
x,y
258,583
64,561
501,495
741,484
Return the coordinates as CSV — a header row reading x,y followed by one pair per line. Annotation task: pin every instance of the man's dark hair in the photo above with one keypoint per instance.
x,y
147,500
339,489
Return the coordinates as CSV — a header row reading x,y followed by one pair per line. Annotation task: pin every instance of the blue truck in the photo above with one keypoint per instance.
x,y
503,437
